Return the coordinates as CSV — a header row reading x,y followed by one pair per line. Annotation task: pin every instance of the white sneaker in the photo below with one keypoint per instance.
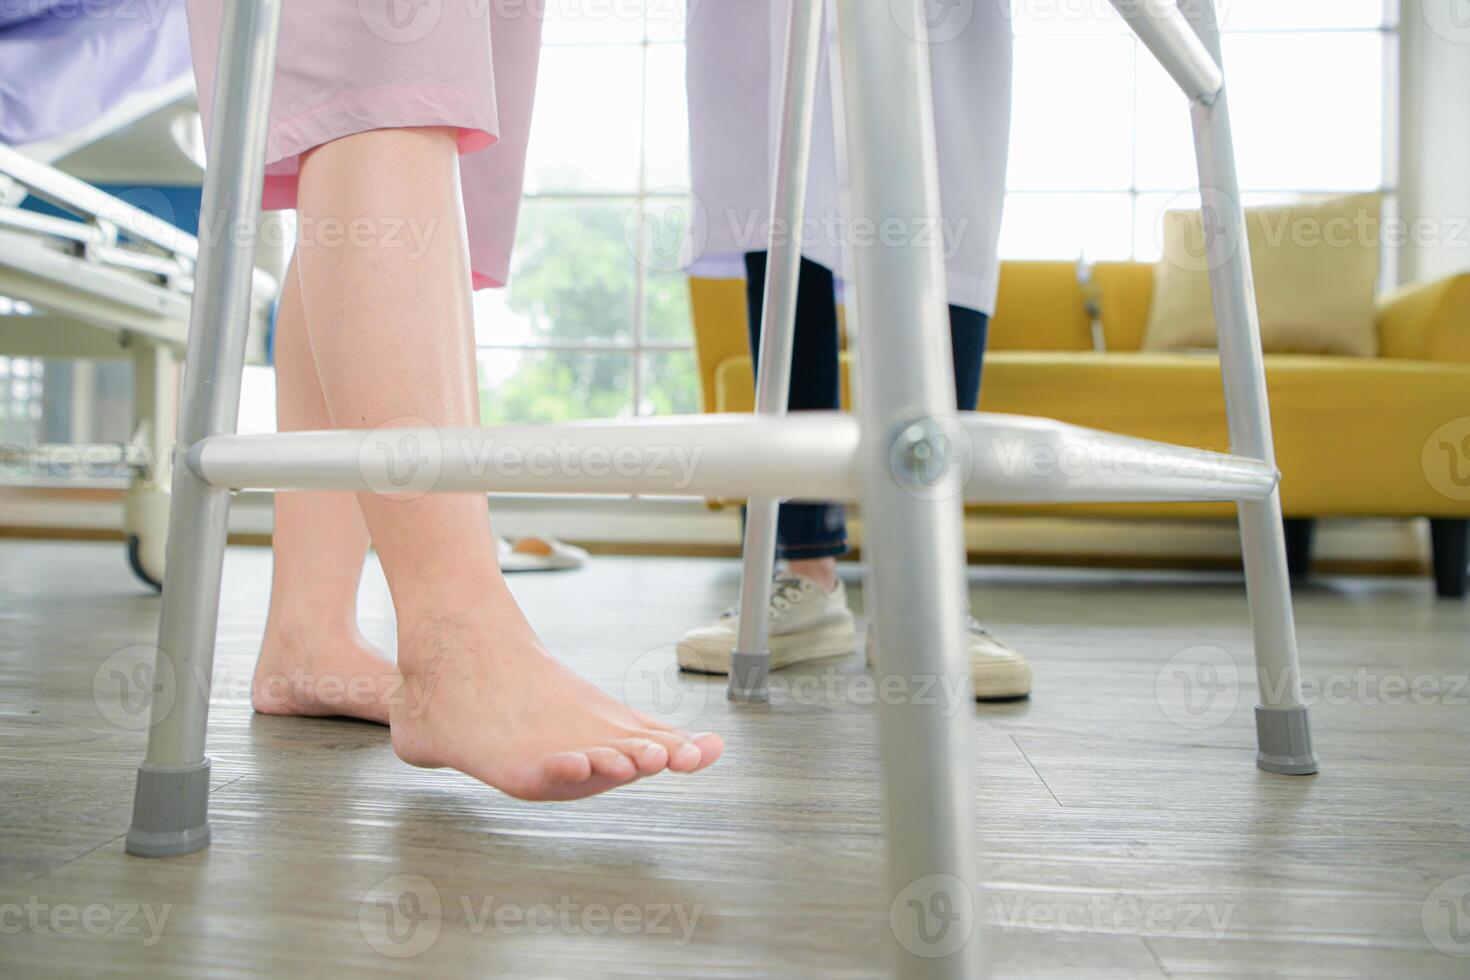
x,y
997,671
806,622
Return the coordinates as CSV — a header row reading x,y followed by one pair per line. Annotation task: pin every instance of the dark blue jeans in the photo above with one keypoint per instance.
x,y
820,530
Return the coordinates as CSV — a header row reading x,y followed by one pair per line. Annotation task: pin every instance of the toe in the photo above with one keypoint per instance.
x,y
682,756
686,757
611,763
649,756
567,767
570,776
687,753
711,747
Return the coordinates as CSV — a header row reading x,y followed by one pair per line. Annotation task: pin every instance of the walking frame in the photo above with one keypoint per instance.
x,y
907,457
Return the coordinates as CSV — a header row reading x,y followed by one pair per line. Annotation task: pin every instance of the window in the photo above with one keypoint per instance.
x,y
592,326
596,319
22,381
595,322
1094,166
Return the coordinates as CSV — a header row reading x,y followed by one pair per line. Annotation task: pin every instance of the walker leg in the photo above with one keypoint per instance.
x,y
911,494
170,807
750,661
1283,730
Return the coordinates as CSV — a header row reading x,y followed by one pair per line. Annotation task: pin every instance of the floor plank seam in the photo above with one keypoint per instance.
x,y
223,786
1035,770
70,861
1171,838
1154,954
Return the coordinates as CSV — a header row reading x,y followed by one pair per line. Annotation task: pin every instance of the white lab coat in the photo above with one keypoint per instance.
x,y
735,61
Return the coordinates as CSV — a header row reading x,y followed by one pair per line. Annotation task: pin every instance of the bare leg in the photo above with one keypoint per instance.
x,y
822,571
314,661
393,339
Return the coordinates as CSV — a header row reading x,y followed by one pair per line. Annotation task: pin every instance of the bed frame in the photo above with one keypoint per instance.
x,y
112,282
907,457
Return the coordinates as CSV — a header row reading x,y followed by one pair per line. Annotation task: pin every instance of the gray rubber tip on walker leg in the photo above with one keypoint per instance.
x,y
1284,736
170,811
748,677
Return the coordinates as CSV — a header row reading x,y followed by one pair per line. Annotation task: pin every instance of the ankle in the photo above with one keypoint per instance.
x,y
822,571
308,630
465,597
431,638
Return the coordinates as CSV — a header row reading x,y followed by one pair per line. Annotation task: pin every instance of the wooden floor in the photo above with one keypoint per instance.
x,y
1124,833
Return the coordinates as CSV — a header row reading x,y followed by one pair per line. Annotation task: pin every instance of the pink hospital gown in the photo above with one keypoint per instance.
x,y
348,66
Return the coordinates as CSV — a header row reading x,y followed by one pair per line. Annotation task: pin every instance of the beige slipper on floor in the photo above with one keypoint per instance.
x,y
537,554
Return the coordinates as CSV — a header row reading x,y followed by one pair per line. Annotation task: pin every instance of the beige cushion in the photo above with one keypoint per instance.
x,y
1316,272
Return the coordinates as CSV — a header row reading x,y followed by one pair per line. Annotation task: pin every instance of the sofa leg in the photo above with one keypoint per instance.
x,y
1299,532
1450,538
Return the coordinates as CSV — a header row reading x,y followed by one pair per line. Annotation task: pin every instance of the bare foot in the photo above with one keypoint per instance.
x,y
494,704
322,673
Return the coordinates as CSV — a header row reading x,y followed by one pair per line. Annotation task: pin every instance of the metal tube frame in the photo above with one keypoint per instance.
x,y
915,539
750,661
899,458
170,806
808,456
1283,729
1165,31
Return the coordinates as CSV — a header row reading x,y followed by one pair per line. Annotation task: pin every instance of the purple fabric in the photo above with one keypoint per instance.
x,y
61,70
17,11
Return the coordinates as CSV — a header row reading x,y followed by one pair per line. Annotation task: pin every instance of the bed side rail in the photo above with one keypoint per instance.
x,y
103,218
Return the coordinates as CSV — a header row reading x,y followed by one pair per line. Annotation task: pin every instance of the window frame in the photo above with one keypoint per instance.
x,y
1387,30
639,345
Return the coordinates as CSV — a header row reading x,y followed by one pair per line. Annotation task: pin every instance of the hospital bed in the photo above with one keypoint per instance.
x,y
907,456
86,273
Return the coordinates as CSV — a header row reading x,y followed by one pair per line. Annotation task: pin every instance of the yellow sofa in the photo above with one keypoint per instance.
x,y
1355,437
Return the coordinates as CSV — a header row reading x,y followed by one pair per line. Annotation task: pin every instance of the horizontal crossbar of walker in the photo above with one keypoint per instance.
x,y
1162,28
805,456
